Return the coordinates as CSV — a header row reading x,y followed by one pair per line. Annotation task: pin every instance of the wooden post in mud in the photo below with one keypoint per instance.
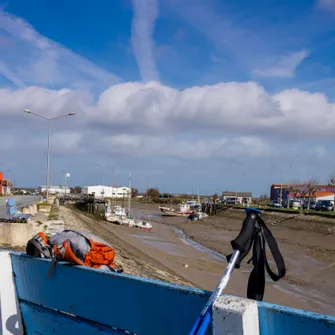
x,y
214,208
209,207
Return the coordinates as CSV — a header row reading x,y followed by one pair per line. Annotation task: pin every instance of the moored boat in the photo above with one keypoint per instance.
x,y
143,225
185,209
197,216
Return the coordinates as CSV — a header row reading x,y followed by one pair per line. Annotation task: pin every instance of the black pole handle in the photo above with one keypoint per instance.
x,y
243,241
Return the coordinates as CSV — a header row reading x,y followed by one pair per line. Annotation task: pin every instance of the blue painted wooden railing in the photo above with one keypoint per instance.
x,y
78,300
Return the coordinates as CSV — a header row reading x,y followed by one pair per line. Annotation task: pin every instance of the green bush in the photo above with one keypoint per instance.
x,y
43,203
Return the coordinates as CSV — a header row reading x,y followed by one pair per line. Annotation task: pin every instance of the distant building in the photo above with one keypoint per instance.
x,y
241,196
5,185
275,192
324,192
54,189
324,196
101,191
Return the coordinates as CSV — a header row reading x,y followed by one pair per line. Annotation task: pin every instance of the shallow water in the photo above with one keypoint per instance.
x,y
157,243
156,218
198,246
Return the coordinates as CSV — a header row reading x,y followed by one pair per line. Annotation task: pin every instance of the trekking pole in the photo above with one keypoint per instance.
x,y
241,245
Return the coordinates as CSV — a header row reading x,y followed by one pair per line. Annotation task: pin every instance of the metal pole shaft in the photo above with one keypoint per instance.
x,y
281,186
199,328
236,189
129,195
48,160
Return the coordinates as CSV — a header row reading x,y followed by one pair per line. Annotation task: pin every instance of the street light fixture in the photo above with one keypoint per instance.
x,y
281,182
48,153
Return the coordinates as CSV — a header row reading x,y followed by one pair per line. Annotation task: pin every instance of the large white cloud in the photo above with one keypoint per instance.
x,y
237,108
138,117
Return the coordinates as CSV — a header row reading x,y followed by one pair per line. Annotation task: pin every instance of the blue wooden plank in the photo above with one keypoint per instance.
x,y
38,320
136,304
280,320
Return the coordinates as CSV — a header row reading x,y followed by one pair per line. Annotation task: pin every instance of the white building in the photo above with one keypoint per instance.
x,y
5,190
324,196
54,189
101,191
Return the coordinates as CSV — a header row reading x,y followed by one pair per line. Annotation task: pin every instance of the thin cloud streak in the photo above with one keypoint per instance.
x,y
285,67
145,16
29,58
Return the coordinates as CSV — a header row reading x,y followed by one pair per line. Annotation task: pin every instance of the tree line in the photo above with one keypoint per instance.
x,y
304,190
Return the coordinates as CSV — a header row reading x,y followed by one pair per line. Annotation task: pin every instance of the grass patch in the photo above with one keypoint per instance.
x,y
43,203
39,223
54,214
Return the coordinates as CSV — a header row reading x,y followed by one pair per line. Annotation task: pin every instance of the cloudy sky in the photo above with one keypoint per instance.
x,y
194,94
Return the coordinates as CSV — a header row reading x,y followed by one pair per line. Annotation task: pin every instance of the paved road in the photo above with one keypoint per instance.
x,y
21,201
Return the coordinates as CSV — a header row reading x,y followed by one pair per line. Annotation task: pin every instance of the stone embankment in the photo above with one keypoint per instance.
x,y
44,217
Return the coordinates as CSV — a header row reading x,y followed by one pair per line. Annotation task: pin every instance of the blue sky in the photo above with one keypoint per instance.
x,y
195,94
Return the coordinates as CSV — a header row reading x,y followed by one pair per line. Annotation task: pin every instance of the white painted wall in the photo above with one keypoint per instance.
x,y
54,189
107,191
6,190
329,197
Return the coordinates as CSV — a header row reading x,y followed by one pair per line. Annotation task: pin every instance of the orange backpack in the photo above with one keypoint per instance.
x,y
74,247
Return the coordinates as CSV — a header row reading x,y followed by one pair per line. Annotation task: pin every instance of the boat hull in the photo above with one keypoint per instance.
x,y
173,212
30,308
148,229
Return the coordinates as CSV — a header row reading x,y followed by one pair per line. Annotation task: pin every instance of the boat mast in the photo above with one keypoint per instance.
x,y
129,193
113,188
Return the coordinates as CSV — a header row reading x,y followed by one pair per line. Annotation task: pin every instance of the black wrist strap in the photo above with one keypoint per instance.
x,y
256,282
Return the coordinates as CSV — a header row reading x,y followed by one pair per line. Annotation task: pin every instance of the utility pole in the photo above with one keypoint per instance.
x,y
48,151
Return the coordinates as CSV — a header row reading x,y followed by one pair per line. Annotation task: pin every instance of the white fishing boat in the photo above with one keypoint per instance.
x,y
126,220
119,211
185,209
119,215
143,225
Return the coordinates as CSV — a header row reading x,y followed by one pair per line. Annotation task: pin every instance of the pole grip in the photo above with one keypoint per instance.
x,y
242,241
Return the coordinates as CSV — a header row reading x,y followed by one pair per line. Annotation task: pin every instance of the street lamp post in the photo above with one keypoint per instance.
x,y
66,175
281,182
48,151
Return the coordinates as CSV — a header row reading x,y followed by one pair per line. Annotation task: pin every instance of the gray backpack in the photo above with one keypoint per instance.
x,y
75,247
